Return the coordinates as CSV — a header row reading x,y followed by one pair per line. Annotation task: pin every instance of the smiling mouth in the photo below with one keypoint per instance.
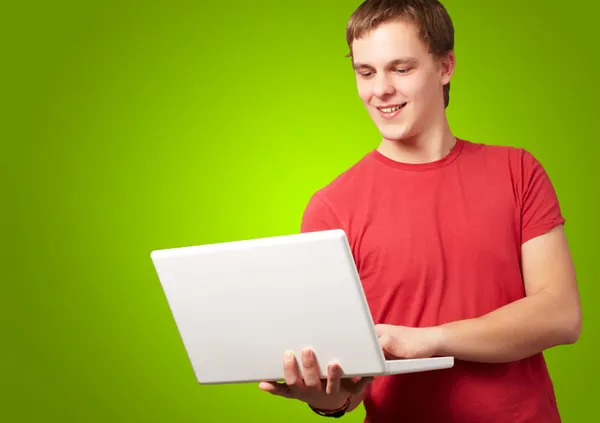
x,y
391,111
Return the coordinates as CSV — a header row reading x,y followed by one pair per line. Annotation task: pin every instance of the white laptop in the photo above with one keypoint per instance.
x,y
239,306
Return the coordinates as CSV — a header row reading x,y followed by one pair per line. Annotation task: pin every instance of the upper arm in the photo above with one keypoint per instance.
x,y
548,270
546,260
547,265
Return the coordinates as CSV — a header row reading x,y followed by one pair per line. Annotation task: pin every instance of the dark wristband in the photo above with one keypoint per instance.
x,y
337,413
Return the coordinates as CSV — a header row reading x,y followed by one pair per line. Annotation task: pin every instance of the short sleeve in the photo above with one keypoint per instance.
x,y
540,208
319,216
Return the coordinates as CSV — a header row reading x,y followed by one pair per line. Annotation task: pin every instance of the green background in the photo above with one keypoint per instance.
x,y
132,126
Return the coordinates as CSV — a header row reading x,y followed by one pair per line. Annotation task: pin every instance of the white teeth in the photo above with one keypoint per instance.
x,y
390,109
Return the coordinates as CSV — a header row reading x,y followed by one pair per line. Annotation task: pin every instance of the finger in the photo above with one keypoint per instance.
x,y
291,373
279,389
311,371
334,374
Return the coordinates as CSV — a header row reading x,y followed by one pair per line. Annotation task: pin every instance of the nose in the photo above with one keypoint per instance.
x,y
383,86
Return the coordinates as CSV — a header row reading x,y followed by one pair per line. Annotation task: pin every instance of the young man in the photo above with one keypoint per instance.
x,y
459,245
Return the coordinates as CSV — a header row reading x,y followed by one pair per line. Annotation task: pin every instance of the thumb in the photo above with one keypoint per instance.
x,y
391,346
381,329
274,388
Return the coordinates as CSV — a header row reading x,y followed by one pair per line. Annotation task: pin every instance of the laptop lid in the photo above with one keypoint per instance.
x,y
239,306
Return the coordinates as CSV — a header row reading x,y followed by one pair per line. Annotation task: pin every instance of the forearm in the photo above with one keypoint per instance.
x,y
513,332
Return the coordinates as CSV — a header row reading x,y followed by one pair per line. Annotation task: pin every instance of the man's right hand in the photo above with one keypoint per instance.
x,y
329,394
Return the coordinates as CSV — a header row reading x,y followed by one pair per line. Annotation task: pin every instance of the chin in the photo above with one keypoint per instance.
x,y
394,133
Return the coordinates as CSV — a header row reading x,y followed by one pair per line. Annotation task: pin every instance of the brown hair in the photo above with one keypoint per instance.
x,y
430,17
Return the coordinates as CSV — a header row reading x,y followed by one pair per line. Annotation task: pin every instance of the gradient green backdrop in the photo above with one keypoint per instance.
x,y
132,126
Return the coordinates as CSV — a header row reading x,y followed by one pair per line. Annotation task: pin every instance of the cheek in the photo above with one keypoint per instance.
x,y
412,86
424,86
364,92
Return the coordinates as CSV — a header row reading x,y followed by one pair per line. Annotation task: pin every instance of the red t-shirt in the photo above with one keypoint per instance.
x,y
440,242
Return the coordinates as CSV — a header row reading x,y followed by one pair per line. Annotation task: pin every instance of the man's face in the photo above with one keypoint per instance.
x,y
399,82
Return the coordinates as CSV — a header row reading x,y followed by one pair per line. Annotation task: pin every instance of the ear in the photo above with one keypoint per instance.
x,y
446,67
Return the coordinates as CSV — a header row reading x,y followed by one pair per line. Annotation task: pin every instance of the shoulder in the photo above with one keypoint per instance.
x,y
344,187
330,202
494,152
519,170
516,162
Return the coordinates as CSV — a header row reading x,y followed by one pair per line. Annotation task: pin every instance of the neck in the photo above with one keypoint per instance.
x,y
423,147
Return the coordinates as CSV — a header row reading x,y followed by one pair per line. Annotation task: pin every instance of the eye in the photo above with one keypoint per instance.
x,y
366,74
402,71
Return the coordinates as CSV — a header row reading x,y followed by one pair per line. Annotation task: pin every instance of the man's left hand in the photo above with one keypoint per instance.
x,y
408,342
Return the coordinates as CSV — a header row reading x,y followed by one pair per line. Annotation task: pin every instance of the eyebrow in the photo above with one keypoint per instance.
x,y
395,62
